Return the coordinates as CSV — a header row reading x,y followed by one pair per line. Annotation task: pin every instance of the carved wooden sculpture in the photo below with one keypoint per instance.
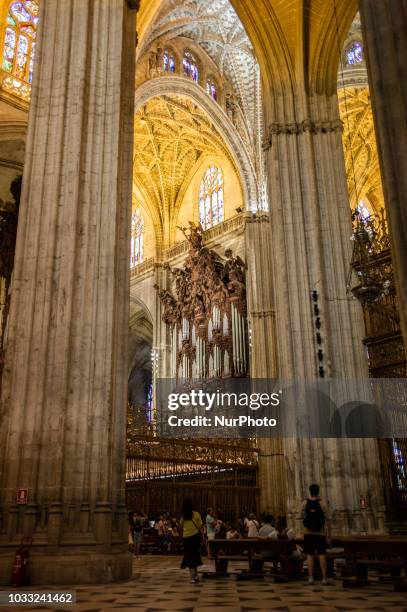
x,y
207,313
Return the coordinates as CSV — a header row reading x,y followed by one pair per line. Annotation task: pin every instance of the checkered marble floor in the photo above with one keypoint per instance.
x,y
159,585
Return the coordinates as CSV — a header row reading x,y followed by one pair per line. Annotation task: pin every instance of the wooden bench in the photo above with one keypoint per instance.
x,y
150,542
387,555
253,550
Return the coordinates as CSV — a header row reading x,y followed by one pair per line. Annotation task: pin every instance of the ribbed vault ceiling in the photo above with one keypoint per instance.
x,y
171,135
359,139
216,28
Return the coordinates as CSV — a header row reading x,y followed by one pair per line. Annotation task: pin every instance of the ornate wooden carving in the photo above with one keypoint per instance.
x,y
8,231
8,235
210,293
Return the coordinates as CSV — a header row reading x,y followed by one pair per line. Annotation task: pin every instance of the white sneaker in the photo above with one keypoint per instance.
x,y
310,581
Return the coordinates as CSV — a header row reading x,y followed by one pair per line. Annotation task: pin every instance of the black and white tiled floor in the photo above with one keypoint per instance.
x,y
159,585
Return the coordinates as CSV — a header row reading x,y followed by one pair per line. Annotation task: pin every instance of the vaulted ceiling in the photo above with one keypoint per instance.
x,y
217,29
359,139
295,40
171,135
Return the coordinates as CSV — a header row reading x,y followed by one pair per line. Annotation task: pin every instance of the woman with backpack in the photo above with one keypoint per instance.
x,y
317,525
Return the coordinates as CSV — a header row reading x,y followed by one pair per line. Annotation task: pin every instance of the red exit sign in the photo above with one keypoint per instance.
x,y
22,496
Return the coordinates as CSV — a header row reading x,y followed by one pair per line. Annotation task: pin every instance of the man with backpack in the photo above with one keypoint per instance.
x,y
317,523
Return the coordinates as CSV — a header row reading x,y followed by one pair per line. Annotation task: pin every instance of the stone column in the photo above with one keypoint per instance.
x,y
63,409
263,352
311,250
384,26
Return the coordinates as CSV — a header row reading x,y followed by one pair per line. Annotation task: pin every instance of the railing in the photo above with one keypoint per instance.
x,y
142,268
230,225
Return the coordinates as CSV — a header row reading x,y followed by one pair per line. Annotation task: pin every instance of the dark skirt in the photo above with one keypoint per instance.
x,y
192,554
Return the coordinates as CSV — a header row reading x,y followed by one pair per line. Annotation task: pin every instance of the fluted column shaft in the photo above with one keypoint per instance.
x,y
63,411
263,353
311,250
384,26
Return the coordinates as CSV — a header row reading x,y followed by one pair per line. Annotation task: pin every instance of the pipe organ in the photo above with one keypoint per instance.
x,y
207,314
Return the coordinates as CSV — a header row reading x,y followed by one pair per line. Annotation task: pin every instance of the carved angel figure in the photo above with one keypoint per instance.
x,y
195,235
234,274
169,303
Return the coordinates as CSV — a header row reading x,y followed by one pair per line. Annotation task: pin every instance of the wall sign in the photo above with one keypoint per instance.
x,y
22,496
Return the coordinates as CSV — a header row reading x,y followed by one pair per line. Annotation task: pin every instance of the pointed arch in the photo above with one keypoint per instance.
x,y
185,87
211,197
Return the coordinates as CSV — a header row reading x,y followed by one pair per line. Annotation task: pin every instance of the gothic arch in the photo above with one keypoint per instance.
x,y
183,87
326,60
270,45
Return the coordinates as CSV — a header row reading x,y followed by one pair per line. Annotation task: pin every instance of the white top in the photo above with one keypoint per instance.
x,y
252,529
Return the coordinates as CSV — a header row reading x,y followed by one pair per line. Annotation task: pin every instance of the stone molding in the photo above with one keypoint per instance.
x,y
302,127
261,216
262,314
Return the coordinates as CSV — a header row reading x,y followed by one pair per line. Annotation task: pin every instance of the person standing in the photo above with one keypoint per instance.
x,y
130,521
317,523
211,526
138,521
252,526
191,527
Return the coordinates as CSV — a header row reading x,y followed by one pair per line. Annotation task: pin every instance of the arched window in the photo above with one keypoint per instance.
x,y
19,47
136,254
150,403
190,66
363,211
354,53
211,209
168,61
211,89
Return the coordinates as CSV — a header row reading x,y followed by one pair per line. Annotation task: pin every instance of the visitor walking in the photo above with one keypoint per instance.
x,y
191,528
138,521
317,523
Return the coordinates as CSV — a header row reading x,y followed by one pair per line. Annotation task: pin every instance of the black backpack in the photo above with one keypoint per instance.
x,y
314,516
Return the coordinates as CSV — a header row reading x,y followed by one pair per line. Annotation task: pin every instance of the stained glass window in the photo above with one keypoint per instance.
x,y
354,53
168,61
190,66
211,89
363,211
150,403
211,206
136,254
401,468
19,47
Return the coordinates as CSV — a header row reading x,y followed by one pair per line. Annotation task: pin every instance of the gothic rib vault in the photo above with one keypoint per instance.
x,y
217,29
298,45
172,134
361,157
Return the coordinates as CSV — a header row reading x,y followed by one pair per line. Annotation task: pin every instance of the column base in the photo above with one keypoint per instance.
x,y
70,568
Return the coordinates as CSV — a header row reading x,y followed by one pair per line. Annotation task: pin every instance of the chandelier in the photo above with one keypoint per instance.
x,y
368,281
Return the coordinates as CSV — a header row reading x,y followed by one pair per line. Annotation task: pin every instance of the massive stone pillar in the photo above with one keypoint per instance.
x,y
263,353
63,409
384,26
311,250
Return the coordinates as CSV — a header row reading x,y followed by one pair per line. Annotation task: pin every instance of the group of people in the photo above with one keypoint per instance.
x,y
316,527
197,533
